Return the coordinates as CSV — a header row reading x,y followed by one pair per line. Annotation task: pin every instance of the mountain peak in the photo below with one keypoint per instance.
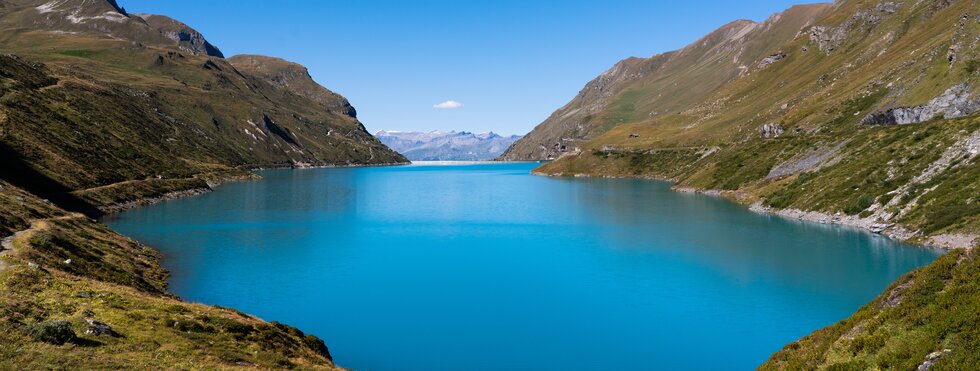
x,y
293,77
100,19
186,37
451,145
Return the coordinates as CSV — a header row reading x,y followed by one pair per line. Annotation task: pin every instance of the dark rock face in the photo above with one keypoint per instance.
x,y
118,8
278,131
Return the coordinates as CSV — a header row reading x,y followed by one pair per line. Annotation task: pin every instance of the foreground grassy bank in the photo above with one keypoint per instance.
x,y
927,317
76,294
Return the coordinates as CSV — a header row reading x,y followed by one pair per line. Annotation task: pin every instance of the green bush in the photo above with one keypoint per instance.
x,y
862,203
56,332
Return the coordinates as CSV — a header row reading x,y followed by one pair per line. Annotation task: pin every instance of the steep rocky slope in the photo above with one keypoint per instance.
x,y
638,89
101,110
447,146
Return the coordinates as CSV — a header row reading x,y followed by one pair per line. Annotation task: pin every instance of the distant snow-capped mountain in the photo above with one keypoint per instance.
x,y
446,146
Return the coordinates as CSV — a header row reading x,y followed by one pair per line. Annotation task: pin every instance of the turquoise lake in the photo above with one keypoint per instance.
x,y
486,267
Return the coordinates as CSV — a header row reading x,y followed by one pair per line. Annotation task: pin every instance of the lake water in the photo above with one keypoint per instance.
x,y
485,267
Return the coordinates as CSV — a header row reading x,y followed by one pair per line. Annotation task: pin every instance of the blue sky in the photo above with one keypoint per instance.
x,y
509,64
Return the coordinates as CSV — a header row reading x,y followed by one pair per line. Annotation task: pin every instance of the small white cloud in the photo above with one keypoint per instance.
x,y
449,104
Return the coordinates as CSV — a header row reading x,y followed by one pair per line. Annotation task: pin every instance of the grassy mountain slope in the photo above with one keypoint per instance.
x,y
101,109
801,134
638,89
113,120
868,118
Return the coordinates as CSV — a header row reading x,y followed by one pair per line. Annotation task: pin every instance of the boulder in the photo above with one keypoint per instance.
x,y
98,328
771,130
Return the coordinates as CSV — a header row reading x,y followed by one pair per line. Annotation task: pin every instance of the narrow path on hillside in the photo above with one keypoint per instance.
x,y
7,245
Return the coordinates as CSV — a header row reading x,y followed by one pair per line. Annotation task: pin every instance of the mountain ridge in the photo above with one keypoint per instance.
x,y
446,146
632,88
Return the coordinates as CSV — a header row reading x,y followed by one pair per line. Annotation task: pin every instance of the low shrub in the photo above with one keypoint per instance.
x,y
57,332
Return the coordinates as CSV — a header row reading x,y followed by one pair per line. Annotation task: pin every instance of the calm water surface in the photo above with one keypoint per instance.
x,y
485,267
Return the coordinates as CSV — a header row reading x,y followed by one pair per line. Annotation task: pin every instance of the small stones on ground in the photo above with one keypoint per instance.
x,y
33,265
931,359
98,328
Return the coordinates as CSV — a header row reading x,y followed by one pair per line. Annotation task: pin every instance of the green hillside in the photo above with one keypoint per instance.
x,y
817,129
866,116
102,110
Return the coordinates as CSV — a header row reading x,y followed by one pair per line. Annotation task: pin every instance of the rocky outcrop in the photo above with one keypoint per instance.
x,y
771,130
829,39
955,102
772,58
98,328
187,38
931,359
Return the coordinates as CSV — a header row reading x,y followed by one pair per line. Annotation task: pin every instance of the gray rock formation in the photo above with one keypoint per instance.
x,y
955,102
931,359
447,146
829,38
771,130
98,328
773,58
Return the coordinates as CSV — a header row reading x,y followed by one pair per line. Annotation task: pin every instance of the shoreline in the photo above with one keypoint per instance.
x,y
110,210
893,231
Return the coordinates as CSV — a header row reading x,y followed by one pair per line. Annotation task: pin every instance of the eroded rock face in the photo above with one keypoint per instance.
x,y
955,102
